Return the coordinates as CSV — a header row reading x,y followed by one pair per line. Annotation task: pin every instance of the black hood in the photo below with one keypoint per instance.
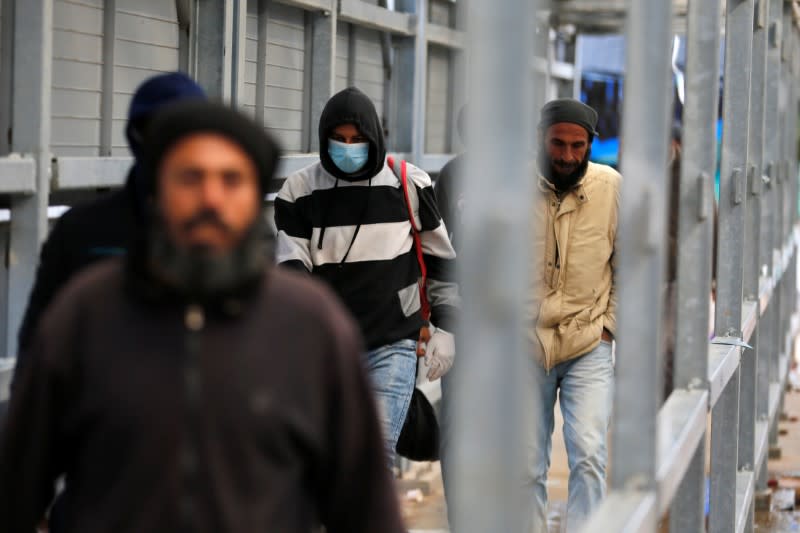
x,y
351,106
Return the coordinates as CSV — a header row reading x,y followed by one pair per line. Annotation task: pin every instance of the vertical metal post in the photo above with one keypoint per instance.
x,y
184,9
107,93
323,68
261,63
772,147
733,172
412,66
646,125
724,454
33,44
490,421
753,225
698,162
577,78
732,205
238,47
211,35
755,156
351,55
6,71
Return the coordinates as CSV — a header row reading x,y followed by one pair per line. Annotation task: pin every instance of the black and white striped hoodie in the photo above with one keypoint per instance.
x,y
356,234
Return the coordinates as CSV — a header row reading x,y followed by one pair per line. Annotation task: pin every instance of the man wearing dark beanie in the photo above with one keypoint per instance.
x,y
234,399
573,306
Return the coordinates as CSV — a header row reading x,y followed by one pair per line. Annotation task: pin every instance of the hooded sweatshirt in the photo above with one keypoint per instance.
x,y
353,231
166,411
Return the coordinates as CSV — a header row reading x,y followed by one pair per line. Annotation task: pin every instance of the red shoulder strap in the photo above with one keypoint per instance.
x,y
423,293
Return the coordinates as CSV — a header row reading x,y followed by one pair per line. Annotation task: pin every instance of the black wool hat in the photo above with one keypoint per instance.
x,y
569,110
180,120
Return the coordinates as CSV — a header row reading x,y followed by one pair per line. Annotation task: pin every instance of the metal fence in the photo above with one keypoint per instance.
x,y
659,456
735,381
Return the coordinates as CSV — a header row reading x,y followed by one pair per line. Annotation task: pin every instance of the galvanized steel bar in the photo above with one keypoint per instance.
x,y
237,52
724,454
211,34
731,227
757,375
755,156
107,92
261,62
773,146
33,43
6,61
698,162
323,69
490,394
411,72
645,126
733,172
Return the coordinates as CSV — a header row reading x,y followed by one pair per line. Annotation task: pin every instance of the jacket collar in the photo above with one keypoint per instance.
x,y
571,200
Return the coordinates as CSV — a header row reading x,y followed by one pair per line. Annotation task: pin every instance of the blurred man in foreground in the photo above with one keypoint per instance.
x,y
234,400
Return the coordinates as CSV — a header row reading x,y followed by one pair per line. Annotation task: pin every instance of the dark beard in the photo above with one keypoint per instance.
x,y
562,182
200,275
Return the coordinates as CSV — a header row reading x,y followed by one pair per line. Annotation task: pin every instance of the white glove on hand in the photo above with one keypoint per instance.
x,y
440,353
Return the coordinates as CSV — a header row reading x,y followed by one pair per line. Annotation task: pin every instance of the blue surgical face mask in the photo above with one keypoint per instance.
x,y
350,158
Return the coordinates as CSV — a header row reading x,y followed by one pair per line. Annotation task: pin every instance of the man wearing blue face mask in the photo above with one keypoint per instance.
x,y
345,220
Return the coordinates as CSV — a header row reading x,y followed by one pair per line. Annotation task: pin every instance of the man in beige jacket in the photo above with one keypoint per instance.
x,y
572,307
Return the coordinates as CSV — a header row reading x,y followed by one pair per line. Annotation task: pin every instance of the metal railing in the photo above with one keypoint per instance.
x,y
659,451
659,454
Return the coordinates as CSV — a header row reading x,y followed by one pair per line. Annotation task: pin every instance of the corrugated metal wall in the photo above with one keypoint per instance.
x,y
285,83
147,41
369,73
147,37
77,71
438,101
342,54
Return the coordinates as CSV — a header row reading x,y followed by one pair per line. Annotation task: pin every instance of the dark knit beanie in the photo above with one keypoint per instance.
x,y
569,110
151,95
181,120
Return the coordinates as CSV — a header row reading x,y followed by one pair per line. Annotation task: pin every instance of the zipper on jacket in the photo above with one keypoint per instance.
x,y
194,322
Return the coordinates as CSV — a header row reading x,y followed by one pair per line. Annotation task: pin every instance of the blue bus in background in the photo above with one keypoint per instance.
x,y
601,87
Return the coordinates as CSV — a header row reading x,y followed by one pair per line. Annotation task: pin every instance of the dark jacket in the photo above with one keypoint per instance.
x,y
449,196
83,235
252,415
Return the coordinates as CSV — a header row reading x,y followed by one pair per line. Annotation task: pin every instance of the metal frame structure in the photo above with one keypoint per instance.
x,y
211,47
740,375
659,451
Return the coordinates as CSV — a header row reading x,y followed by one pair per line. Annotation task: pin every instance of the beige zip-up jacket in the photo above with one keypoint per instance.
x,y
573,295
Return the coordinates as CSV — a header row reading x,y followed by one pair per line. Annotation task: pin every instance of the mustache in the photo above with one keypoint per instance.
x,y
206,216
567,164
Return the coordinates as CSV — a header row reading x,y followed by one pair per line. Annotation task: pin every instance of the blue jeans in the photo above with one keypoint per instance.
x,y
392,371
585,388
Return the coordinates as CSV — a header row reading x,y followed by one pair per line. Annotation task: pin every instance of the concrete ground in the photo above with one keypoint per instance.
x,y
428,512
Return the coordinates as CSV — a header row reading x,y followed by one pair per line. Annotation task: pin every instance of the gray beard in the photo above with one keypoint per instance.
x,y
202,275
